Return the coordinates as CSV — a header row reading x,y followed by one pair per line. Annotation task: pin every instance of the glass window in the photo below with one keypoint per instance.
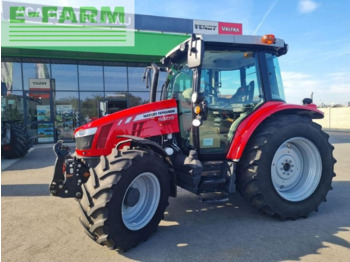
x,y
163,76
39,106
135,75
115,78
180,81
113,102
45,132
275,80
35,71
11,75
229,82
39,112
66,114
159,96
138,98
90,77
65,76
12,106
89,102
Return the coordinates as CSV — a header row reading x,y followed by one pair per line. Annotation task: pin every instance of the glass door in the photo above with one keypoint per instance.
x,y
232,89
39,116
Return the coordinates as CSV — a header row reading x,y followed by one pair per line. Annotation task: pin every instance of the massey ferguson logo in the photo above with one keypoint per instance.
x,y
159,113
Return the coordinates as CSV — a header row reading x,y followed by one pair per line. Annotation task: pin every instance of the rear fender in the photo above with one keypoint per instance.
x,y
247,127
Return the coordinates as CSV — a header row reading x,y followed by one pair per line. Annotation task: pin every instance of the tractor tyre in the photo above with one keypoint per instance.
x,y
287,167
125,198
17,147
28,138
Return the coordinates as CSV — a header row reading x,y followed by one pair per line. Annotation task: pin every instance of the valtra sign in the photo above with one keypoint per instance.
x,y
216,28
230,29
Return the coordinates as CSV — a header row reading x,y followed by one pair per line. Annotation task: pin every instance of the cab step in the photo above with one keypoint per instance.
x,y
214,199
211,184
213,181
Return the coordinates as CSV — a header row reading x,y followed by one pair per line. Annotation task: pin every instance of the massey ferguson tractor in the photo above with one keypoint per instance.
x,y
222,125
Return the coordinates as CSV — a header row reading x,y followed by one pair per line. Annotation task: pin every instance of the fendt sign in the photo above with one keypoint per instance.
x,y
216,28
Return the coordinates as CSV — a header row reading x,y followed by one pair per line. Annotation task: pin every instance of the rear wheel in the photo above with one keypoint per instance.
x,y
17,147
125,198
287,167
296,169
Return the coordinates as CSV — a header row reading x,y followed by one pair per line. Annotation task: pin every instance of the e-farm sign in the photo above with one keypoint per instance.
x,y
39,25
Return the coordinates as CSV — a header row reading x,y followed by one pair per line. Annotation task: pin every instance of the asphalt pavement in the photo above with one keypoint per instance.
x,y
38,227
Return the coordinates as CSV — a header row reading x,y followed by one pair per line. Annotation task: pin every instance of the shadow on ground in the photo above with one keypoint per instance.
x,y
25,190
192,231
235,232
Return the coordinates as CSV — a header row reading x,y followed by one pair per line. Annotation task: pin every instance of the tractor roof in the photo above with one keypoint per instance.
x,y
275,45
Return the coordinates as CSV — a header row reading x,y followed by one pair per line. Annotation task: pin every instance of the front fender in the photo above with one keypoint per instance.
x,y
247,127
150,145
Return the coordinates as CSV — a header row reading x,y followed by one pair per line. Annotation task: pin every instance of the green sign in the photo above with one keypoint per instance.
x,y
36,25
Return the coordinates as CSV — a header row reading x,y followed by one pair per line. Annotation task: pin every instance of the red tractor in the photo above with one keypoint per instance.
x,y
222,124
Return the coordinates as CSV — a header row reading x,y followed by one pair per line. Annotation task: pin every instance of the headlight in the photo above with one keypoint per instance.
x,y
84,138
194,97
86,132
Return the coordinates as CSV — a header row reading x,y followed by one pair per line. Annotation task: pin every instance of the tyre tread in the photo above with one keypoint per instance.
x,y
248,168
98,191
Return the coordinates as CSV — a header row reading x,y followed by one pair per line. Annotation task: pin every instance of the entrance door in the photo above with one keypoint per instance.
x,y
39,115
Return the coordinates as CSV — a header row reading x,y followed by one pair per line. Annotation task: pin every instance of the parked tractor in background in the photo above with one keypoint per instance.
x,y
222,124
15,141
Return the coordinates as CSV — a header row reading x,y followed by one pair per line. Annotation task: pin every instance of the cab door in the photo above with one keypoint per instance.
x,y
232,91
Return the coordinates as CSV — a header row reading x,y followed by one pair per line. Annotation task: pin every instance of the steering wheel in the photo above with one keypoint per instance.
x,y
210,93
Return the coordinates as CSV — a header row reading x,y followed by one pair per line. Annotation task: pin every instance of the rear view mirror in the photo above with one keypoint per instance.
x,y
195,51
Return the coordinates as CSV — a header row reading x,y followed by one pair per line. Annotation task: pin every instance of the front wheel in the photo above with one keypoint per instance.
x,y
125,198
287,167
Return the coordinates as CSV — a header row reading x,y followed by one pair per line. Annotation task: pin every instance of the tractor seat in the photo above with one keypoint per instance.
x,y
243,94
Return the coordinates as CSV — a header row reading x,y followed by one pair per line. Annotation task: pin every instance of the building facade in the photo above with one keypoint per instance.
x,y
53,90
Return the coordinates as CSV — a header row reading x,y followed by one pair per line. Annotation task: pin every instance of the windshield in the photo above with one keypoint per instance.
x,y
231,77
225,75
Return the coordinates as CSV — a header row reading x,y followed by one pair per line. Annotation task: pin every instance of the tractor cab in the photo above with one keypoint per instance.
x,y
218,82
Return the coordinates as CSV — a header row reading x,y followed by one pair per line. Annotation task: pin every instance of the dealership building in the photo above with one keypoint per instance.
x,y
56,89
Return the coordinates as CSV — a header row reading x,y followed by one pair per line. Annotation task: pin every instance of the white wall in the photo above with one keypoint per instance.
x,y
337,118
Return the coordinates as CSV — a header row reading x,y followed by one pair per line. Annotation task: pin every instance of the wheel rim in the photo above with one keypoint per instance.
x,y
140,201
296,169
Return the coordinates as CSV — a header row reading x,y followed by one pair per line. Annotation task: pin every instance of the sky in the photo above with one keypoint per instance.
x,y
317,32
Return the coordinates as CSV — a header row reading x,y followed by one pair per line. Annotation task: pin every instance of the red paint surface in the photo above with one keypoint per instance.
x,y
158,118
248,125
230,28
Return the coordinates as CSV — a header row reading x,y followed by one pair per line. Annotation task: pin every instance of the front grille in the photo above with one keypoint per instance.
x,y
102,138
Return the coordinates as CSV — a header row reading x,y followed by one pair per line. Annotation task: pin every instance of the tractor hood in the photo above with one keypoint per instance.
x,y
99,137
